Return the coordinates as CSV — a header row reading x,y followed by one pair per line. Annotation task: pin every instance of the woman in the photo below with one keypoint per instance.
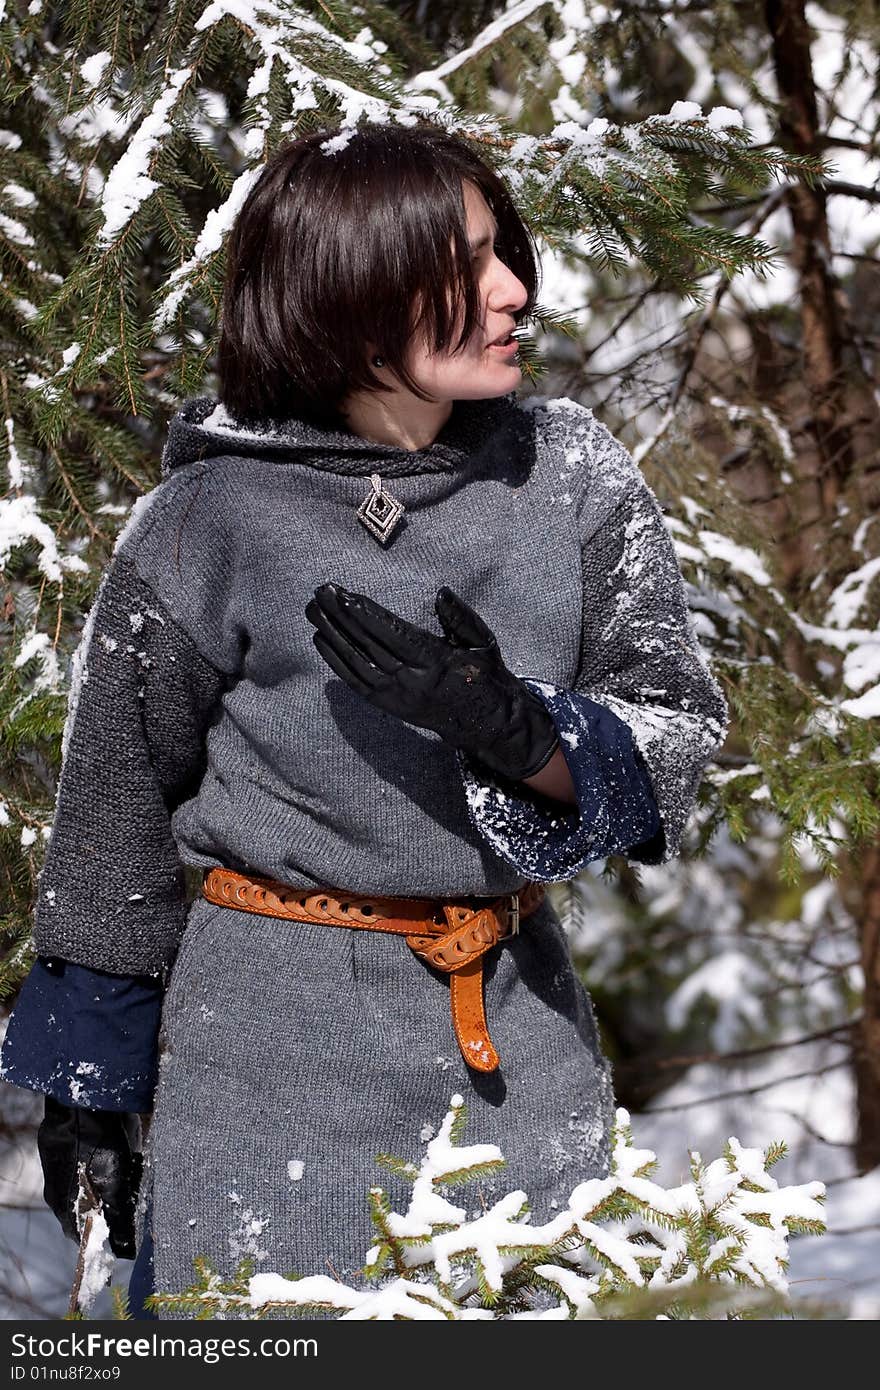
x,y
387,635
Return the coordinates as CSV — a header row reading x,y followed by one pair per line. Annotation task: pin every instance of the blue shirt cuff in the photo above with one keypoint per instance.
x,y
85,1037
551,841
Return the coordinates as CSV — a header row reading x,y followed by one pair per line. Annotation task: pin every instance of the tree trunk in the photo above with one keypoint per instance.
x,y
832,392
822,338
866,1041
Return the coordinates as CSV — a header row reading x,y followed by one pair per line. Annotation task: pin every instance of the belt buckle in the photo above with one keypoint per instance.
x,y
513,907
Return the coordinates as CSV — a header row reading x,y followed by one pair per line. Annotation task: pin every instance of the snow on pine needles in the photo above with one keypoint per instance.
x,y
715,1246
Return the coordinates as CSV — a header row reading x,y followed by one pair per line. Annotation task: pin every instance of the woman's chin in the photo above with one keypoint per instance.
x,y
502,370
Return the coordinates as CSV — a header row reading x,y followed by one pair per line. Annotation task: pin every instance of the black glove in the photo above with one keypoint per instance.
x,y
104,1141
458,685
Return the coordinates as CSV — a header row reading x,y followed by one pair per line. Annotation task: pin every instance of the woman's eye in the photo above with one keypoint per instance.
x,y
498,249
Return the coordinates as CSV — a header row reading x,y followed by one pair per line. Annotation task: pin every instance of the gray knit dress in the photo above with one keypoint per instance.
x,y
292,1053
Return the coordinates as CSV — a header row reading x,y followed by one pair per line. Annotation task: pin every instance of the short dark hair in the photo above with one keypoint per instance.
x,y
339,245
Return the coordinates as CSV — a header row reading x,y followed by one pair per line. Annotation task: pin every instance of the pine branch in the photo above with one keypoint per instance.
x,y
716,1246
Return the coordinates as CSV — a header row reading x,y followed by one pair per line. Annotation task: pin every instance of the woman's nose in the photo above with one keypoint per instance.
x,y
507,292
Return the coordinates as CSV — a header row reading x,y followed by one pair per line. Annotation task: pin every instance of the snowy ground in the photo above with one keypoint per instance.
x,y
812,1113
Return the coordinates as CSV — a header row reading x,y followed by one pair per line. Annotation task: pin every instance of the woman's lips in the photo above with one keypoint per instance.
x,y
507,349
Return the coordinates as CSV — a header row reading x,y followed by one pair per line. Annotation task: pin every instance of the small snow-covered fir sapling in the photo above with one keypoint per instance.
x,y
716,1246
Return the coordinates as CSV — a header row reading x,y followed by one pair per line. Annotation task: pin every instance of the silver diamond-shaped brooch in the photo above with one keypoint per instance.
x,y
380,510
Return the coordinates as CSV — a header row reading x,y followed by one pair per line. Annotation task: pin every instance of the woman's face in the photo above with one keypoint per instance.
x,y
478,370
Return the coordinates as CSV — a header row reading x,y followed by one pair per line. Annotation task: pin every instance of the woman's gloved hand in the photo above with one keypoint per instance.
x,y
102,1140
457,685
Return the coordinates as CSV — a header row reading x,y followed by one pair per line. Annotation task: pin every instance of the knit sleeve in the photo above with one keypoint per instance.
x,y
641,659
111,899
112,892
644,715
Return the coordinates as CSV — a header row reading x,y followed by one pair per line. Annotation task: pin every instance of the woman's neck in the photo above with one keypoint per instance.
x,y
400,419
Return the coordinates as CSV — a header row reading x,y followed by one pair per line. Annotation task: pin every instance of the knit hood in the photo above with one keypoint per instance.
x,y
204,429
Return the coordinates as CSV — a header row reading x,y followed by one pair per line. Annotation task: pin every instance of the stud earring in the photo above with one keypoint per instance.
x,y
378,361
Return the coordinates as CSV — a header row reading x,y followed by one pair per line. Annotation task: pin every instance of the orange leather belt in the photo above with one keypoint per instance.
x,y
451,935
